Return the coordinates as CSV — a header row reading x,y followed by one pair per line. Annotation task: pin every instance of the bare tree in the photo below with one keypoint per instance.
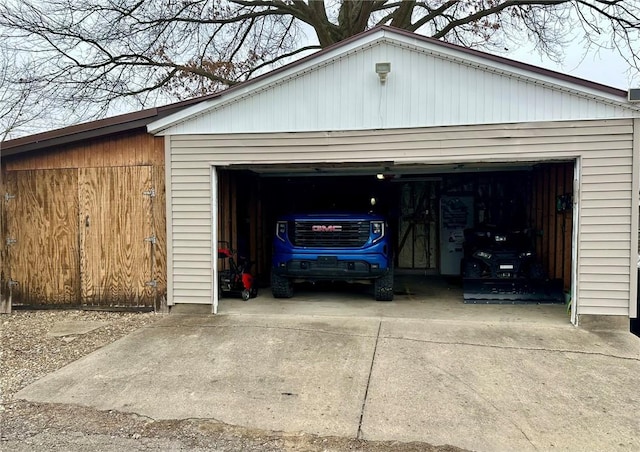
x,y
15,96
106,54
30,103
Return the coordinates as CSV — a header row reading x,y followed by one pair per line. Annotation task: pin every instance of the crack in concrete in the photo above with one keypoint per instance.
x,y
427,341
366,391
509,347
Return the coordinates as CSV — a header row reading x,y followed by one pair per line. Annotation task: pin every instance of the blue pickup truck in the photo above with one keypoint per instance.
x,y
332,247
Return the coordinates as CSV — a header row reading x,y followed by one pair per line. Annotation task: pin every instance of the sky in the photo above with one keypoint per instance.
x,y
606,67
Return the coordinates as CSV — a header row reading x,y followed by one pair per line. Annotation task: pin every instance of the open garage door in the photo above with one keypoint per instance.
x,y
536,197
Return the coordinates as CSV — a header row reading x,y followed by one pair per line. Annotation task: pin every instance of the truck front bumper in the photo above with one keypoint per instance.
x,y
329,268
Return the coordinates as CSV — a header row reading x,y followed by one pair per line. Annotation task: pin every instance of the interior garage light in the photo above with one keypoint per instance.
x,y
380,176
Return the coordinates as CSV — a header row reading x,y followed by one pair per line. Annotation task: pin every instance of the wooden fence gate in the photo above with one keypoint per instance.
x,y
81,237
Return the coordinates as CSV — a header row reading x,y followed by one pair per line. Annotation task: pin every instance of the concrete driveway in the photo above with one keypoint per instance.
x,y
497,378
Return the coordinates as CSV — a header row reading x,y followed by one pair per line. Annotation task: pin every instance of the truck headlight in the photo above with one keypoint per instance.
x,y
377,230
281,230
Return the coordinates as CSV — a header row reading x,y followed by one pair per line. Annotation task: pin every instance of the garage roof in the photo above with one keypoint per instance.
x,y
92,129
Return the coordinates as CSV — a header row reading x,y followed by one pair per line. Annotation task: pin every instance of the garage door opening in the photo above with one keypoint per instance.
x,y
423,205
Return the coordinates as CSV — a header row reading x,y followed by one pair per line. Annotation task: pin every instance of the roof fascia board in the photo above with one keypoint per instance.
x,y
509,62
78,132
69,139
92,129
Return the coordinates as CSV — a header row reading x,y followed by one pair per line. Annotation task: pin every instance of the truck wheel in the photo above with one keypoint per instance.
x,y
383,287
281,287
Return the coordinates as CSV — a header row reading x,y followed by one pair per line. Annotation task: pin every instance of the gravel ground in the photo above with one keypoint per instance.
x,y
28,352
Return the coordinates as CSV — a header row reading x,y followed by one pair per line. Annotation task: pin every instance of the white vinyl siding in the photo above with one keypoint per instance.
x,y
604,149
424,89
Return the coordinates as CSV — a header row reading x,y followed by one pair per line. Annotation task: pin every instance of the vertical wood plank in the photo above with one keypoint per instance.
x,y
160,230
130,149
544,253
252,185
5,303
568,228
262,257
233,209
223,187
538,214
551,212
559,226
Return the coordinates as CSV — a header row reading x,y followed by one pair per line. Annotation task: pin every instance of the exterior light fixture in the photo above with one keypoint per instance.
x,y
383,69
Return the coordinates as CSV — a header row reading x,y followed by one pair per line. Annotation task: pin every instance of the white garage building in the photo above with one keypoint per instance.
x,y
442,108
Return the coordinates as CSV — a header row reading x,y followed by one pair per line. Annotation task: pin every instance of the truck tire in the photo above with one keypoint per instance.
x,y
383,287
281,287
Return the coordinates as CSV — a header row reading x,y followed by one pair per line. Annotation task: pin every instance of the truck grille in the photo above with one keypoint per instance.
x,y
329,234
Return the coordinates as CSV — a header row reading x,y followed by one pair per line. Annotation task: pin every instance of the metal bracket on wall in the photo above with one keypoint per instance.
x,y
152,283
12,282
151,239
11,241
151,193
7,196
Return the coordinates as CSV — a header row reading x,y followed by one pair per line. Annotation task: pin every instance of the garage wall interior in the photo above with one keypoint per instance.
x,y
85,224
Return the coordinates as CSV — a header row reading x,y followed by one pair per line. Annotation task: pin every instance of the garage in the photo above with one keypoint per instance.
x,y
521,145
